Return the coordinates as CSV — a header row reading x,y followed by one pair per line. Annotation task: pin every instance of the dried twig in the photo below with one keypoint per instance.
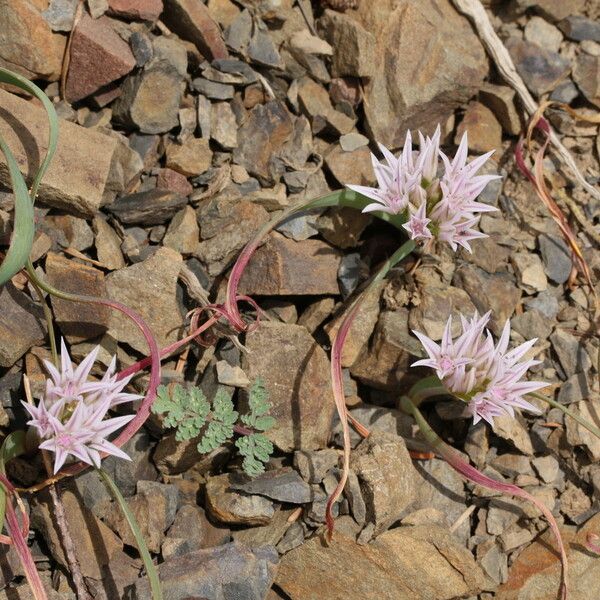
x,y
475,11
193,285
81,256
68,546
67,55
463,517
310,26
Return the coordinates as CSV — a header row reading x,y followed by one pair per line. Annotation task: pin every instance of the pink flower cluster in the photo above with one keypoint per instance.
x,y
436,206
70,417
473,369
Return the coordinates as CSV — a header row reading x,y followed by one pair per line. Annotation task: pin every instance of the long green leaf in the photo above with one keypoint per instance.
x,y
349,198
151,571
24,226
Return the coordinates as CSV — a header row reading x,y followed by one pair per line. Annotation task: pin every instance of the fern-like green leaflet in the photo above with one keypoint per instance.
x,y
189,412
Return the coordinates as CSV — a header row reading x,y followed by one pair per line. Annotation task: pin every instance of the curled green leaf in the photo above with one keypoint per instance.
x,y
23,226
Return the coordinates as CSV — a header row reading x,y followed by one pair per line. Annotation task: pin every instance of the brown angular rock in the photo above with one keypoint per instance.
x,y
387,478
354,47
171,180
108,245
183,232
228,506
436,305
151,207
535,573
316,313
557,10
487,254
150,99
223,128
77,233
79,190
225,226
295,371
284,267
483,130
27,44
500,99
77,321
143,10
427,62
440,487
496,292
191,530
530,271
281,485
21,325
578,435
438,567
514,431
542,33
150,289
191,20
345,89
351,167
383,364
228,571
154,507
191,158
586,74
98,57
223,12
343,226
260,138
173,457
315,102
264,535
307,44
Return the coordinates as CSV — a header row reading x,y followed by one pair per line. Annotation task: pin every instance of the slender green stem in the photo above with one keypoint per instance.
x,y
427,388
410,407
49,320
135,529
583,422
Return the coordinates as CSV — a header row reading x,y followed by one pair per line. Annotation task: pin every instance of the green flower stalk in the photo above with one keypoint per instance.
x,y
137,534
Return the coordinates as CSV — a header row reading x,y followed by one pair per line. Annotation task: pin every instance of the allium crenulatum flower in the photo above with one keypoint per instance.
x,y
70,418
437,203
487,377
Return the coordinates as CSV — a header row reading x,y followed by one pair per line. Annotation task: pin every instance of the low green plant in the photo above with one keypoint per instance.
x,y
192,415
